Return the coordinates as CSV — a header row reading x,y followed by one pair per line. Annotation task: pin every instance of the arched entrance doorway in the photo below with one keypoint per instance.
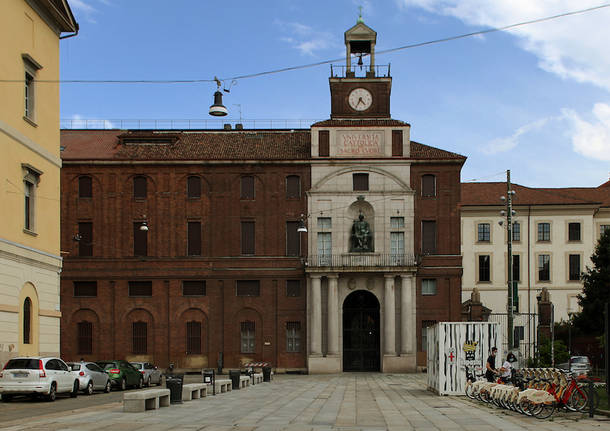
x,y
361,332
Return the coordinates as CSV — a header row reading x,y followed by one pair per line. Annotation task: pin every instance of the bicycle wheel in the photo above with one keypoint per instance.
x,y
525,405
577,401
469,390
545,410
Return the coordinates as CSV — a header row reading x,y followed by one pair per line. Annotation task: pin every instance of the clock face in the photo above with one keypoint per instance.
x,y
360,99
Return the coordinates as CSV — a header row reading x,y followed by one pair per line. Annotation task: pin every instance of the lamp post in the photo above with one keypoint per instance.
x,y
509,213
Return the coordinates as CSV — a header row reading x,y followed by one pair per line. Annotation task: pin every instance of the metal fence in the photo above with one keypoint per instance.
x,y
184,124
525,332
361,260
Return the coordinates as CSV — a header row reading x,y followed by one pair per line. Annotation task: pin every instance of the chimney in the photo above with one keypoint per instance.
x,y
227,126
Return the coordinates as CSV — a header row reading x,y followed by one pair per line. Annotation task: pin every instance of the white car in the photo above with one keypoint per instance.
x,y
37,376
151,372
90,377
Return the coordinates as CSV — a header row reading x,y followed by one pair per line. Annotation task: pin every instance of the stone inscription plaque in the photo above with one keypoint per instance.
x,y
360,143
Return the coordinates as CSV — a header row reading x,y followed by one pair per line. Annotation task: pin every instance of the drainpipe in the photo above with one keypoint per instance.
x,y
70,35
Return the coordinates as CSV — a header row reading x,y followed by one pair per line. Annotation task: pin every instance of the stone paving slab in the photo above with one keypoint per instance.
x,y
345,402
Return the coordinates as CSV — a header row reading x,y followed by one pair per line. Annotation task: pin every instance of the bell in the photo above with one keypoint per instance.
x,y
360,61
218,109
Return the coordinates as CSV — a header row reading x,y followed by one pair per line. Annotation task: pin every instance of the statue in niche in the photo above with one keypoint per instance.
x,y
361,235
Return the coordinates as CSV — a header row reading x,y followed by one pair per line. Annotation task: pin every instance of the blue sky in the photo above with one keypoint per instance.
x,y
534,100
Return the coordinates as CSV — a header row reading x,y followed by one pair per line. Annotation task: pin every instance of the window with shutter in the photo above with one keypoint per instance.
x,y
247,188
323,143
194,238
397,142
140,240
84,187
193,187
293,187
85,243
247,237
428,236
293,243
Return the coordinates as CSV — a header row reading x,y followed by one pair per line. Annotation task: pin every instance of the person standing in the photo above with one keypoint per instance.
x,y
507,367
491,365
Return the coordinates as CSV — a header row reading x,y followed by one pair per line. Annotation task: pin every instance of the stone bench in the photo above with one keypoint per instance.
x,y
257,378
222,385
136,402
244,381
194,391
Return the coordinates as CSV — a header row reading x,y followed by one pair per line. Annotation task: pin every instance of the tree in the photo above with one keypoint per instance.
x,y
596,290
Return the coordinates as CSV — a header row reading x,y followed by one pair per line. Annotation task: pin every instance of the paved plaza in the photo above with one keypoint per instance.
x,y
346,402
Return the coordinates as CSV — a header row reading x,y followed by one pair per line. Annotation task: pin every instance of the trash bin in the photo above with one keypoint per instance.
x,y
234,376
209,377
173,382
266,374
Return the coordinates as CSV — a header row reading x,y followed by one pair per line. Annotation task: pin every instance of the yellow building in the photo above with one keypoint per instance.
x,y
30,261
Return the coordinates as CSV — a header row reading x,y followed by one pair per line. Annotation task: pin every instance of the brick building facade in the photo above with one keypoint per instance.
x,y
182,246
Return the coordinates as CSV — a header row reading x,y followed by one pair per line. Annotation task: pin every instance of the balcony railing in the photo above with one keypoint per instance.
x,y
370,260
355,71
184,124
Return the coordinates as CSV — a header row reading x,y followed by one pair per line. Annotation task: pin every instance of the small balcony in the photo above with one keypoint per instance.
x,y
364,71
361,262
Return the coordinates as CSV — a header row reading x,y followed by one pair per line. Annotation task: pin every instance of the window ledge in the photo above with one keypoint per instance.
x,y
30,121
30,232
484,282
543,281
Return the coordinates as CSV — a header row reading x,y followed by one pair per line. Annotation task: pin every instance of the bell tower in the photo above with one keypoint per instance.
x,y
360,89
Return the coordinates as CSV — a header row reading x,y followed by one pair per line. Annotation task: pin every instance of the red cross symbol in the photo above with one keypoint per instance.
x,y
451,356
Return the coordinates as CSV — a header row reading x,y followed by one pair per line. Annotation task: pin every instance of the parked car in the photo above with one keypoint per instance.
x,y
122,374
90,377
151,373
578,365
35,376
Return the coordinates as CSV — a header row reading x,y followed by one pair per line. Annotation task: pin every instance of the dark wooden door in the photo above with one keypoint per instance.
x,y
361,332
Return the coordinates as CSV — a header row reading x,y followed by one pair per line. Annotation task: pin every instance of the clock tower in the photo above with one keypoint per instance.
x,y
361,90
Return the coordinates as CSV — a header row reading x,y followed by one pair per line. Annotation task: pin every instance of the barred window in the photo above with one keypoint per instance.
x,y
84,337
247,288
293,288
193,288
139,331
293,336
140,288
193,338
247,336
85,288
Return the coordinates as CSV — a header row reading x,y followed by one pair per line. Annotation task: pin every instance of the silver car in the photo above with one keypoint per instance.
x,y
150,372
90,376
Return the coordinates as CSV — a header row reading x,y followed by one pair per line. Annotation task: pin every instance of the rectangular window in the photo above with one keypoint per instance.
x,y
84,187
247,336
483,230
425,324
247,237
603,228
323,143
247,288
29,96
484,268
324,223
85,243
140,288
139,187
140,240
247,187
516,231
397,247
428,286
85,338
360,182
293,187
293,288
397,222
573,231
193,187
85,289
397,142
29,205
544,267
193,338
293,239
194,238
428,185
324,248
428,236
516,267
544,231
293,337
139,333
574,267
193,288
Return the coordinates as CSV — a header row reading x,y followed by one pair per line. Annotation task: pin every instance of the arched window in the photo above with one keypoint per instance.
x,y
139,187
193,187
27,320
84,187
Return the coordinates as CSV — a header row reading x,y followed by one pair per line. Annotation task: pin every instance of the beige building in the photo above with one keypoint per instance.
x,y
555,231
30,261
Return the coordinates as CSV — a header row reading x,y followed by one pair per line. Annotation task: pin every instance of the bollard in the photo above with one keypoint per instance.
x,y
591,398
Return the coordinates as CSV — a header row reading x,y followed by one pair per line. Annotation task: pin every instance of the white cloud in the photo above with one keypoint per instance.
x,y
305,38
85,9
573,47
500,145
591,139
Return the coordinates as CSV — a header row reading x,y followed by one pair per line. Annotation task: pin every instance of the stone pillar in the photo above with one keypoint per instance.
x,y
389,324
406,328
333,314
316,316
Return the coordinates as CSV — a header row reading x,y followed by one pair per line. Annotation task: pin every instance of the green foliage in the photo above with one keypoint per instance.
x,y
596,289
544,359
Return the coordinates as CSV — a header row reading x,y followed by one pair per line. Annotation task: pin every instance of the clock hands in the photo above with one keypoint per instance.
x,y
360,101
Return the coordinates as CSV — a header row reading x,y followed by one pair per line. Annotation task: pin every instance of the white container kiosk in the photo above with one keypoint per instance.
x,y
453,346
